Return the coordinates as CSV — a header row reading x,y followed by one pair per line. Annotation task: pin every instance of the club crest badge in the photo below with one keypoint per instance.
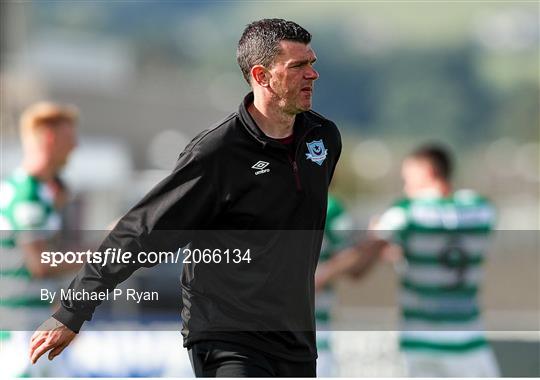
x,y
317,151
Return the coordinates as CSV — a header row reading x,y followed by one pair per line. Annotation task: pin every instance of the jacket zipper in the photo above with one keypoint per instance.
x,y
296,176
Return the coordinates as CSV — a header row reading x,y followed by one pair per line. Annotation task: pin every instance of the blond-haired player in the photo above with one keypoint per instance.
x,y
30,202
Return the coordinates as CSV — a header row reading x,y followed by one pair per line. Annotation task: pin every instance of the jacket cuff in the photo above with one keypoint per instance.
x,y
70,319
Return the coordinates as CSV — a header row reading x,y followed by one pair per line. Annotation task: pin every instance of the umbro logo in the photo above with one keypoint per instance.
x,y
260,166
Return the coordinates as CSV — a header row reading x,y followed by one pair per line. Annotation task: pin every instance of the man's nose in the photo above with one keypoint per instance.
x,y
312,74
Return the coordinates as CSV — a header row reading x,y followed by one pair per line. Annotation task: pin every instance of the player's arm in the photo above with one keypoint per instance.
x,y
32,260
33,250
385,228
354,261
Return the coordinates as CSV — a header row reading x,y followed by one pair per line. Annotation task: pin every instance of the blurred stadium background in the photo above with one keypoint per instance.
x,y
147,76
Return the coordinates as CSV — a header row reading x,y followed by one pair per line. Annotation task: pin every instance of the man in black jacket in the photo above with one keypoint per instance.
x,y
256,183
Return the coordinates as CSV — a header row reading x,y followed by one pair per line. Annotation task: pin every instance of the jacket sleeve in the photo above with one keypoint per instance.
x,y
186,200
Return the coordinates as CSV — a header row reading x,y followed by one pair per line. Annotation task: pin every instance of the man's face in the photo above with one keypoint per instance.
x,y
418,176
292,77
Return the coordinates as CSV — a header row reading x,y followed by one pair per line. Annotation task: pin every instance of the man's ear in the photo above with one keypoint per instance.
x,y
260,75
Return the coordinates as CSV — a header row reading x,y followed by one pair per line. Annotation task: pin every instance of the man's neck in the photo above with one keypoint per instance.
x,y
271,120
444,188
35,169
439,189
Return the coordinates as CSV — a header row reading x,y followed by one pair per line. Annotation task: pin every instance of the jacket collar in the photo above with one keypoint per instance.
x,y
253,129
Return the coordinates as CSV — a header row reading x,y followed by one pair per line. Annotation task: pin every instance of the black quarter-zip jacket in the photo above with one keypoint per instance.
x,y
235,188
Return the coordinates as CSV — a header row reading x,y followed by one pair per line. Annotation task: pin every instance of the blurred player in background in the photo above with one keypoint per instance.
x,y
31,200
439,239
337,233
338,239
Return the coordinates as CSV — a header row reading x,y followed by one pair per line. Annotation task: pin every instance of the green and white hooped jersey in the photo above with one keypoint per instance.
x,y
27,214
337,234
445,241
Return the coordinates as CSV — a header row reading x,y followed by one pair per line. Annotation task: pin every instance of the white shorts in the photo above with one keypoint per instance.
x,y
326,365
475,363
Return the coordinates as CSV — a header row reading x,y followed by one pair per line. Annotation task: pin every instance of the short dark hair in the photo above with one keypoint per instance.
x,y
438,156
259,44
